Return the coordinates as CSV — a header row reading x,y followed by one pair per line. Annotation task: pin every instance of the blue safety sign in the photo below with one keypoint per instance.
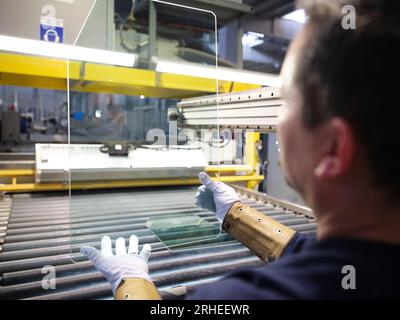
x,y
51,30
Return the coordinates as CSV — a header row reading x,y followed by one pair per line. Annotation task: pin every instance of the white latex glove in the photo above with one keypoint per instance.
x,y
215,196
123,264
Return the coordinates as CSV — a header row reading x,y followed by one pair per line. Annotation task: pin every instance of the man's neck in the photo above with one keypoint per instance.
x,y
368,218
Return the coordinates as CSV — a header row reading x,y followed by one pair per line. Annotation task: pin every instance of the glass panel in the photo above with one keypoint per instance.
x,y
126,148
181,231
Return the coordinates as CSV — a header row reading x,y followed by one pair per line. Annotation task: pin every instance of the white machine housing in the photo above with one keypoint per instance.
x,y
254,109
87,163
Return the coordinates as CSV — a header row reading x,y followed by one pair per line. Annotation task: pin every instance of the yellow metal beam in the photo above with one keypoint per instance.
x,y
40,82
251,155
40,72
17,173
32,187
38,66
228,86
210,169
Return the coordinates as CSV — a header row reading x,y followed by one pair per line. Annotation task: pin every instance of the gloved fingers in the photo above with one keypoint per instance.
x,y
200,194
145,253
207,181
213,186
205,194
106,246
203,191
92,253
200,202
120,248
208,194
204,201
133,245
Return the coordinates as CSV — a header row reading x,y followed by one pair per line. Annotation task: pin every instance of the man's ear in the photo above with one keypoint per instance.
x,y
339,154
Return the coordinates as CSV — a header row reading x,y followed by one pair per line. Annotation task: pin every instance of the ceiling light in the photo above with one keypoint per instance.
x,y
297,15
220,73
64,51
252,39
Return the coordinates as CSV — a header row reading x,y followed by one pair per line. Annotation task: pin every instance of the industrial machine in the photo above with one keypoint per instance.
x,y
99,178
91,162
47,229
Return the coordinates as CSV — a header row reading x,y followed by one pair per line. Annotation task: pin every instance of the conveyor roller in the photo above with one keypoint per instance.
x,y
35,231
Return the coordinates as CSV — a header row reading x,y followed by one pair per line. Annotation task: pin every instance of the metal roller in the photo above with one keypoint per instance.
x,y
159,261
164,277
35,231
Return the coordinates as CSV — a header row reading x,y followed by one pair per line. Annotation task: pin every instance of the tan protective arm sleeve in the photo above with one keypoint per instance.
x,y
136,289
263,235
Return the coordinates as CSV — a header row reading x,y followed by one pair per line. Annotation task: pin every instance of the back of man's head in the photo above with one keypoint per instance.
x,y
353,74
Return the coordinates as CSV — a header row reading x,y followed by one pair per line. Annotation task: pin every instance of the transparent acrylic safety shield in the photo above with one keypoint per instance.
x,y
132,168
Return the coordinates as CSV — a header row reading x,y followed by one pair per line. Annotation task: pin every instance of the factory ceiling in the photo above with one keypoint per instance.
x,y
227,12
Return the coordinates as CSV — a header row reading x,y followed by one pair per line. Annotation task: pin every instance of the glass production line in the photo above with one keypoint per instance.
x,y
43,228
101,177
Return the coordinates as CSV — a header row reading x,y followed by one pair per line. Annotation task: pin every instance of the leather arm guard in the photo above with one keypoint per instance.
x,y
263,235
136,289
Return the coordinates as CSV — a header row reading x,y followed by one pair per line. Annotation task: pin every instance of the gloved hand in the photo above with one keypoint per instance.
x,y
122,264
215,196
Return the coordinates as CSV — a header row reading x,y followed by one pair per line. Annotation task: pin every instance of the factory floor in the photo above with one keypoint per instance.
x,y
36,230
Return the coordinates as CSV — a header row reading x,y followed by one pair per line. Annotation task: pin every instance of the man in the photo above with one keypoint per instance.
x,y
337,137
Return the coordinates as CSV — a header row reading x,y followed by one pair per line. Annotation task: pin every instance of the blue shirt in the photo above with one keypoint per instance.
x,y
312,269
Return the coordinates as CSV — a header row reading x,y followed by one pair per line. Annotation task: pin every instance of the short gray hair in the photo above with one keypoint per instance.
x,y
354,74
